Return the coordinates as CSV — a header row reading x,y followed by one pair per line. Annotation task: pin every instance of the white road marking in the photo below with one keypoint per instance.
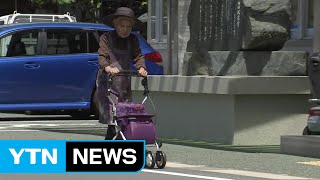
x,y
255,174
17,130
46,124
30,125
179,165
43,121
313,163
22,126
233,172
183,174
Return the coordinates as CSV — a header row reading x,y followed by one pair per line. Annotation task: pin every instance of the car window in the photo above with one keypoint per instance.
x,y
20,43
22,19
93,42
66,41
28,19
101,32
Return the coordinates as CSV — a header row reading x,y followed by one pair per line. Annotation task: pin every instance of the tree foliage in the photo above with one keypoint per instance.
x,y
139,6
90,10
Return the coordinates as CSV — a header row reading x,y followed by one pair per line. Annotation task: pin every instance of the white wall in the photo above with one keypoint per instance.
x,y
238,110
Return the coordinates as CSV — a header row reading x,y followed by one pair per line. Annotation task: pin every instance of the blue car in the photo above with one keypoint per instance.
x,y
53,66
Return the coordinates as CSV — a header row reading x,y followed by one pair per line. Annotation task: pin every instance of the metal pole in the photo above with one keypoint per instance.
x,y
316,26
301,18
149,38
157,25
160,21
176,17
169,35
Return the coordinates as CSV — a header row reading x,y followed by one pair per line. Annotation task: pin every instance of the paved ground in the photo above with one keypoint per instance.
x,y
184,162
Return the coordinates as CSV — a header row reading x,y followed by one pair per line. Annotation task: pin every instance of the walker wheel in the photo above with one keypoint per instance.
x,y
150,160
161,159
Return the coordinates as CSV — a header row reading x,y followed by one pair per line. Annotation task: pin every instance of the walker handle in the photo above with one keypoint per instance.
x,y
125,73
144,81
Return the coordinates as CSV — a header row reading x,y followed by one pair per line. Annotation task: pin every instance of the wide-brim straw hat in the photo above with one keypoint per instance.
x,y
126,12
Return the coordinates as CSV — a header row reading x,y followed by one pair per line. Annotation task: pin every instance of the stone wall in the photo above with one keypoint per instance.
x,y
257,63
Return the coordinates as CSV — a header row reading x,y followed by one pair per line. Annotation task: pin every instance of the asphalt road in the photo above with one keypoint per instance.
x,y
184,162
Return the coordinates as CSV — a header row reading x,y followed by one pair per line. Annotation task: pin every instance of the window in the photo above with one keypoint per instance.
x,y
28,19
100,33
310,14
20,43
66,42
93,42
301,19
158,31
294,11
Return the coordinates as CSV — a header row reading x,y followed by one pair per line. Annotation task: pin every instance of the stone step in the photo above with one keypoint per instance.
x,y
308,146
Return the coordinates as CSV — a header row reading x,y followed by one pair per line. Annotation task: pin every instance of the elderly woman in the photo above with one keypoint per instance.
x,y
117,49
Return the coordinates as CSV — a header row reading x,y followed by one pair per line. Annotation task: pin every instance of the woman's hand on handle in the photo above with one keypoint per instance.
x,y
142,72
111,70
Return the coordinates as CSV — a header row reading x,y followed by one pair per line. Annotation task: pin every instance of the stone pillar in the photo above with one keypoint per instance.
x,y
215,25
183,31
219,25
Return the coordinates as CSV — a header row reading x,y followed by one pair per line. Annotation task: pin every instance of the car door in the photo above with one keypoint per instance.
x,y
18,67
69,65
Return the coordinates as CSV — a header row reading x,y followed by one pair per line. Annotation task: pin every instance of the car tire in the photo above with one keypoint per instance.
x,y
306,131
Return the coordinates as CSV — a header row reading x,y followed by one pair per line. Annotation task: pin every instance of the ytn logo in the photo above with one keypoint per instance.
x,y
33,153
108,156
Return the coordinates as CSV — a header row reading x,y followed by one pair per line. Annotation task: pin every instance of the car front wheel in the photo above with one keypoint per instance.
x,y
306,131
